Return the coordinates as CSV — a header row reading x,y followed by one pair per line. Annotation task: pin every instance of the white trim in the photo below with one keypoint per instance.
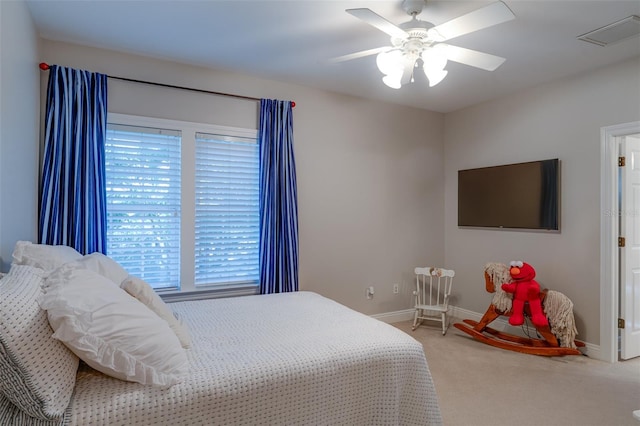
x,y
608,237
140,120
593,351
501,323
176,296
397,316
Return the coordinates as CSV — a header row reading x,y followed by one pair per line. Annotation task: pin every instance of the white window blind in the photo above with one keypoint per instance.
x,y
227,222
143,202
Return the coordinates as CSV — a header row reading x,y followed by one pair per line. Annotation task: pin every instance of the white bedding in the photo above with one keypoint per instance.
x,y
283,359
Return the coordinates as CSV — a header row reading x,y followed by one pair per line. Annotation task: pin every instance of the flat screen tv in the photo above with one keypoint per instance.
x,y
518,196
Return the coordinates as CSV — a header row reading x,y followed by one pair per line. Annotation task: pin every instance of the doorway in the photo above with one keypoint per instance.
x,y
610,257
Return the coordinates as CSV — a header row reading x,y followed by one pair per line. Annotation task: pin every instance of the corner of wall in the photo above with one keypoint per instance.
x,y
19,134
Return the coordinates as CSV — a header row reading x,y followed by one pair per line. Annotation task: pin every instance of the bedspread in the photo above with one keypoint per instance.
x,y
283,359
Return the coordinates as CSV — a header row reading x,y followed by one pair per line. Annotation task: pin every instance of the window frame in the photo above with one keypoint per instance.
x,y
188,290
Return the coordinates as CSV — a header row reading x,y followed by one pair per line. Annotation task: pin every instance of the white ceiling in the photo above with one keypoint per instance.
x,y
293,41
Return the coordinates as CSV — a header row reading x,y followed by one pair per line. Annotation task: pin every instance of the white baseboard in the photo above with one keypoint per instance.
x,y
397,316
501,324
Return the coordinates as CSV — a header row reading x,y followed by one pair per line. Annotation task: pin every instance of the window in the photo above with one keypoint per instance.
x,y
227,218
182,203
143,202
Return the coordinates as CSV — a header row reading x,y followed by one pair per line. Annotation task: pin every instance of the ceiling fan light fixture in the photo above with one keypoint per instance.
x,y
418,43
390,62
434,58
435,76
393,81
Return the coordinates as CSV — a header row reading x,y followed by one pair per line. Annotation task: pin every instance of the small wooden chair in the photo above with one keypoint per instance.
x,y
433,287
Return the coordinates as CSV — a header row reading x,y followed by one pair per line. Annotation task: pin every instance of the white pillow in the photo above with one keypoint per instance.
x,y
37,372
142,291
105,266
110,330
43,256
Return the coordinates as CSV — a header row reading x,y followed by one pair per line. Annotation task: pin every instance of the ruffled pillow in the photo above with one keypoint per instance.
x,y
110,330
43,256
142,291
105,266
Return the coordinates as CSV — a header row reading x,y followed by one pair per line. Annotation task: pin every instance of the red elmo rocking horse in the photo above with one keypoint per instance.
x,y
541,305
524,289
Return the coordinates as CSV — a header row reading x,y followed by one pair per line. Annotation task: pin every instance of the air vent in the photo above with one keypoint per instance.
x,y
612,33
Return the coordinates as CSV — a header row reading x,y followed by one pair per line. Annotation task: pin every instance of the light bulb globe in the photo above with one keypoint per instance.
x,y
392,81
435,76
389,62
434,58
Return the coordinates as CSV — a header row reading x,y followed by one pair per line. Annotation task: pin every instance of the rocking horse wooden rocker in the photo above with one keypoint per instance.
x,y
557,335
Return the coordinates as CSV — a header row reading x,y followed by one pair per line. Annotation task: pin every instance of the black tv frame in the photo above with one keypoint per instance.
x,y
517,196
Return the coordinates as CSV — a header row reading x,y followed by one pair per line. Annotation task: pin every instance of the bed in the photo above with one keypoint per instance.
x,y
284,359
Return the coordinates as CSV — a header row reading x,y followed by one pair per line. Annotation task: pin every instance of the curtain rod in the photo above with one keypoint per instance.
x,y
45,67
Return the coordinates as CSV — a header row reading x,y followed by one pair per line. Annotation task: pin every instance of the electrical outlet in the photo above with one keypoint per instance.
x,y
396,288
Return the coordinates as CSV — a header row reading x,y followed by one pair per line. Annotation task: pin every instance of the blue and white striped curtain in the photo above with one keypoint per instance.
x,y
73,194
278,199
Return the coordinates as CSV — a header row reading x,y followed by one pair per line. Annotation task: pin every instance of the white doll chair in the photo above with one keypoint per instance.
x,y
433,288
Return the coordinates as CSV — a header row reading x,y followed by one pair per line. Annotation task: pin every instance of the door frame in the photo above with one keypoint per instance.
x,y
609,232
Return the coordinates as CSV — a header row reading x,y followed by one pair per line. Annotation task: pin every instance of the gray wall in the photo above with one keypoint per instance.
x,y
377,182
19,127
370,175
561,120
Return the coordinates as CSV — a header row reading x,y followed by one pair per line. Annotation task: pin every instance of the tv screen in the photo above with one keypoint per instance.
x,y
520,196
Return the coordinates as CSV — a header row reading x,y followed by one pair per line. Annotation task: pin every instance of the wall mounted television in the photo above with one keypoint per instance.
x,y
517,196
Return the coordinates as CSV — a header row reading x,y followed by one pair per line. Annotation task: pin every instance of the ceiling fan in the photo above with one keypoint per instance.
x,y
417,41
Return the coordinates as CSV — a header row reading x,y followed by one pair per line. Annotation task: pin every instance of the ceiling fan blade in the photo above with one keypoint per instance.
x,y
493,14
473,58
372,18
360,54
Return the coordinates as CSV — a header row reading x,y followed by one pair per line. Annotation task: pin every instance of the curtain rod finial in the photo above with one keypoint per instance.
x,y
44,66
293,104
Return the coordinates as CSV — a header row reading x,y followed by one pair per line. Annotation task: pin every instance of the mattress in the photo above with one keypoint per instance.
x,y
283,359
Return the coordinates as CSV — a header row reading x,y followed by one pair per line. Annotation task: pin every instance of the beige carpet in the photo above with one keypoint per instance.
x,y
478,384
